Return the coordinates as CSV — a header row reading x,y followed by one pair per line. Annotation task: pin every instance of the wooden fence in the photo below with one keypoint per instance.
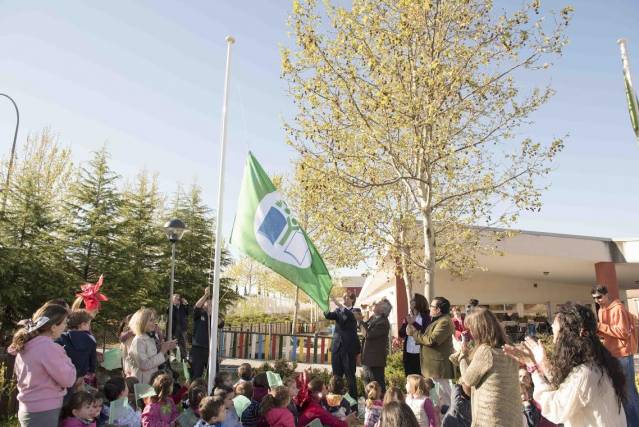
x,y
279,327
303,348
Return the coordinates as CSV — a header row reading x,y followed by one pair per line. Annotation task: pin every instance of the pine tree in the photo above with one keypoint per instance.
x,y
32,268
92,212
140,251
195,252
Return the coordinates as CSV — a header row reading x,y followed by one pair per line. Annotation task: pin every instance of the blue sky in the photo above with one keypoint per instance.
x,y
146,77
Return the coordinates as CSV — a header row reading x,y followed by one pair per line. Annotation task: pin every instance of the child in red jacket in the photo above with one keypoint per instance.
x,y
274,408
312,409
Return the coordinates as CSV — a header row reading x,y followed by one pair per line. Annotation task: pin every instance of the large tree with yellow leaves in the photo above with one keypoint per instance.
x,y
409,113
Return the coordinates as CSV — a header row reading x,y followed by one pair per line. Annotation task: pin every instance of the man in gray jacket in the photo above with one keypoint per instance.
x,y
375,331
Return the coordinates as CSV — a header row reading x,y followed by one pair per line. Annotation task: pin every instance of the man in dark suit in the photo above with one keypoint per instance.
x,y
376,331
346,345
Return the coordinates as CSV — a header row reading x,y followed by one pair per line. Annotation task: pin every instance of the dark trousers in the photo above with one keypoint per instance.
x,y
199,361
375,373
343,363
181,342
412,365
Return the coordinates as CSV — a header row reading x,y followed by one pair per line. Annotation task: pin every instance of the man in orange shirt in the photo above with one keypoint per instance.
x,y
617,330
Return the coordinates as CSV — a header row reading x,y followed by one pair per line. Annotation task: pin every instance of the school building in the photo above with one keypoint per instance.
x,y
533,274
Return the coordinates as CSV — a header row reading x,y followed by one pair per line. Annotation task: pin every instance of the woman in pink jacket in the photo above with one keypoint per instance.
x,y
42,368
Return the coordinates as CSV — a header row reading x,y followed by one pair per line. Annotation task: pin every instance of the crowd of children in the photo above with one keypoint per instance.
x,y
56,361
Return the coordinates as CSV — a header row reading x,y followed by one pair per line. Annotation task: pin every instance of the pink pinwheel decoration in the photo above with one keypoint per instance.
x,y
91,295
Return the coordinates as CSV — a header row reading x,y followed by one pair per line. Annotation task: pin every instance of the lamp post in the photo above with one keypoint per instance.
x,y
5,190
174,230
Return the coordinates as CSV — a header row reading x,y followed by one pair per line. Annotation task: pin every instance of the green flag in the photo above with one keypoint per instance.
x,y
266,230
633,105
631,96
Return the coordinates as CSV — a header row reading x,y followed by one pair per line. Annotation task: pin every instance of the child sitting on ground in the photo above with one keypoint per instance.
x,y
191,415
80,345
227,393
531,409
459,413
335,403
212,412
393,394
294,393
251,414
97,409
223,379
130,385
418,399
245,373
274,408
260,386
311,408
160,410
180,391
78,411
374,404
114,389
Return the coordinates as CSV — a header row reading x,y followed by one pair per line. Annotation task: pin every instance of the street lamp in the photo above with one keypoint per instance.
x,y
13,152
174,230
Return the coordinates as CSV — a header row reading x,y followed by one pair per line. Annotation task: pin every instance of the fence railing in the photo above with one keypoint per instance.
x,y
303,348
278,327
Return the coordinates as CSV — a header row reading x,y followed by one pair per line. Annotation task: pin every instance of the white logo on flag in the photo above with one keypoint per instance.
x,y
278,233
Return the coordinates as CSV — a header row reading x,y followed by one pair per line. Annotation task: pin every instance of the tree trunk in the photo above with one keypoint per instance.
x,y
429,257
408,283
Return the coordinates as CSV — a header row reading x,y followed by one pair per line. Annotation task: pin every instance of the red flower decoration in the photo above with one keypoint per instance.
x,y
91,295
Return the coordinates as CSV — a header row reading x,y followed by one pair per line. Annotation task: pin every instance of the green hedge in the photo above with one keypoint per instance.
x,y
257,318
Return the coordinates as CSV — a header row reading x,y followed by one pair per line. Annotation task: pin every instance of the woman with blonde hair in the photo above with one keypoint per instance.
x,y
144,358
487,375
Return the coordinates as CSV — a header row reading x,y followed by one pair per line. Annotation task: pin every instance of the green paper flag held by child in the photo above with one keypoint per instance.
x,y
241,403
274,379
112,359
185,370
117,409
142,391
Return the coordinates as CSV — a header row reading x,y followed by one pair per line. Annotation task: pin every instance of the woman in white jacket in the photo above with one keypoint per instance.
x,y
582,385
143,356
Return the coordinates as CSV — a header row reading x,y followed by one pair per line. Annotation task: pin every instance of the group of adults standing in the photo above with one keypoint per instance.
x,y
347,347
589,378
427,333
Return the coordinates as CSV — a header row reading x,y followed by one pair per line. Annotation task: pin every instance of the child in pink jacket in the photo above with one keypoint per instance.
x,y
160,410
79,411
42,368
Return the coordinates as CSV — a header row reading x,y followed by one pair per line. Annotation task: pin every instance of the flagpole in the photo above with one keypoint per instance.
x,y
297,306
215,298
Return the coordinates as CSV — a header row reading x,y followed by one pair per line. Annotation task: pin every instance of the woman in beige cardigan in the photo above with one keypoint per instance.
x,y
489,376
143,357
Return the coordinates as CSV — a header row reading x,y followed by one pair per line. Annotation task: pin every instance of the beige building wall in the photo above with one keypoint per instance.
x,y
492,289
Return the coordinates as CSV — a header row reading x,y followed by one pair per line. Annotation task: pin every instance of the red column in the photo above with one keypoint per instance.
x,y
607,275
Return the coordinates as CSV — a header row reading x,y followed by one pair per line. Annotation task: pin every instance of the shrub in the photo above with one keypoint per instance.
x,y
283,367
257,318
394,372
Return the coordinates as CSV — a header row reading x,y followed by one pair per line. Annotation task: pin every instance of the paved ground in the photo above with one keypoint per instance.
x,y
233,364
